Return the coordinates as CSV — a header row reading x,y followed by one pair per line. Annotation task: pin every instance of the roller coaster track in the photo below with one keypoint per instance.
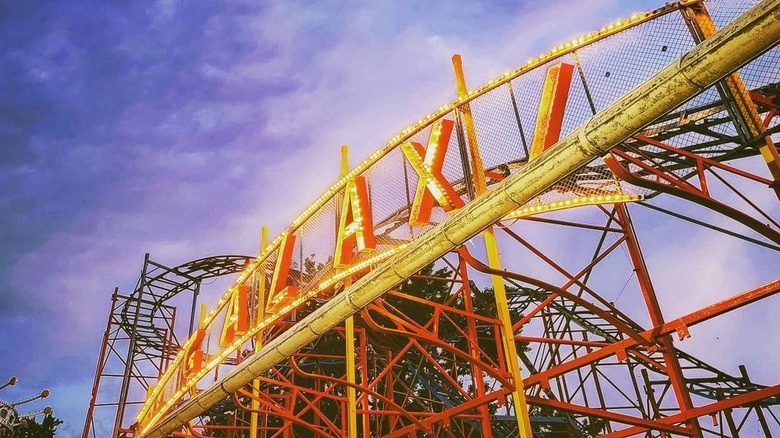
x,y
677,133
157,285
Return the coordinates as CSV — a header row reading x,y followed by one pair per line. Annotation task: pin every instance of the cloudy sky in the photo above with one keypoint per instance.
x,y
180,128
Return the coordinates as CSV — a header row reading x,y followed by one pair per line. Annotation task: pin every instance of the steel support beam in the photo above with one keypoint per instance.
x,y
728,403
494,261
666,343
679,325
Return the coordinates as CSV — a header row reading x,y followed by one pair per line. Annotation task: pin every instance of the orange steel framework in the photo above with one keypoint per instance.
x,y
556,326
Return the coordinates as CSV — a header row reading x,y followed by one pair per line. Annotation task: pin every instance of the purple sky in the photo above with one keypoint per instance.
x,y
180,128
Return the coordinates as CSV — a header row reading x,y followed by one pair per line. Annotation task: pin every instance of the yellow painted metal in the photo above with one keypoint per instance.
x,y
349,335
255,406
259,315
475,159
349,332
743,39
573,202
741,98
494,261
201,324
507,336
344,161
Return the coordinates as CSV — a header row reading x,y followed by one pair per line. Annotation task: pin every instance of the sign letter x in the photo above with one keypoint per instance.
x,y
428,164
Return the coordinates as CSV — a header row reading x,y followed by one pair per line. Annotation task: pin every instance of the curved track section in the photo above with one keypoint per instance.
x,y
158,284
141,335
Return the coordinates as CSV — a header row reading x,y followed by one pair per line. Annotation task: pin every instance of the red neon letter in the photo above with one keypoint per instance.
x,y
237,316
551,108
193,358
356,226
280,294
432,185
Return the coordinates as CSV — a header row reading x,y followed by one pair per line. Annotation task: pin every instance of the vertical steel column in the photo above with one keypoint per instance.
x,y
259,316
120,412
364,379
349,335
99,369
494,261
656,318
195,293
479,382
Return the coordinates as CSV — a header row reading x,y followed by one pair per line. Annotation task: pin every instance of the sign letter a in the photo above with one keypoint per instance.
x,y
356,225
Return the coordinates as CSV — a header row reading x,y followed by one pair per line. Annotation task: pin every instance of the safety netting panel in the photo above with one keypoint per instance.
x,y
761,76
590,185
315,242
760,72
499,128
621,62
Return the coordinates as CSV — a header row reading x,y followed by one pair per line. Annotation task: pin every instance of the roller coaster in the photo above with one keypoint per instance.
x,y
493,270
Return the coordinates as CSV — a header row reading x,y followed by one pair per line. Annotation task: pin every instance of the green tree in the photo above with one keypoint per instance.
x,y
30,428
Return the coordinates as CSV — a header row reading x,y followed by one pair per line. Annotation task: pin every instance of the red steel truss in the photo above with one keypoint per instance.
x,y
589,309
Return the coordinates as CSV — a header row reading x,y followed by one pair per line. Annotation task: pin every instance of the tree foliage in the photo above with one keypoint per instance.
x,y
30,428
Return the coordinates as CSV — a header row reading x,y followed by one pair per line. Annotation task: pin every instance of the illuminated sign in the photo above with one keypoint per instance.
x,y
281,293
237,316
428,164
552,107
356,225
350,230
